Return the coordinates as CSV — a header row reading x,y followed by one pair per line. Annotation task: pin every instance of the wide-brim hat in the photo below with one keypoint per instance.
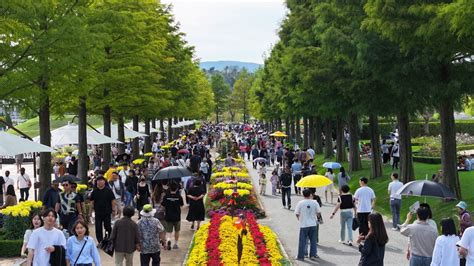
x,y
462,205
147,211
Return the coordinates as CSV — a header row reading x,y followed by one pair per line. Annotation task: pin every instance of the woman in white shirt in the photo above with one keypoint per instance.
x,y
36,222
445,250
329,174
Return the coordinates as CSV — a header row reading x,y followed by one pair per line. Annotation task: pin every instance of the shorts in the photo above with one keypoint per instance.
x,y
170,225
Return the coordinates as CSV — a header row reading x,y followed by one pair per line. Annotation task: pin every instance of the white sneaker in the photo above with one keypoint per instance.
x,y
340,241
394,228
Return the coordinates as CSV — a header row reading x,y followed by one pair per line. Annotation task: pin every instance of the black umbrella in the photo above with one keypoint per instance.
x,y
171,172
426,188
70,178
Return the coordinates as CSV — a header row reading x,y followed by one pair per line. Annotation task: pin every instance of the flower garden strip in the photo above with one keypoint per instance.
x,y
216,243
233,232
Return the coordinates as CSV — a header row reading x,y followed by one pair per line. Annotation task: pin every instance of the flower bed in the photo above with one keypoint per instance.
x,y
229,240
231,190
16,219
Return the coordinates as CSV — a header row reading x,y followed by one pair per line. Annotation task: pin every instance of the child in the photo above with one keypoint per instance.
x,y
263,184
274,181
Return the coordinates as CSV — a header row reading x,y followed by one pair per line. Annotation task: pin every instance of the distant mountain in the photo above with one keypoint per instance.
x,y
220,65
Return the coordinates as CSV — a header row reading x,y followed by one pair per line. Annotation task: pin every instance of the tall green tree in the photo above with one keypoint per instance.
x,y
241,93
221,94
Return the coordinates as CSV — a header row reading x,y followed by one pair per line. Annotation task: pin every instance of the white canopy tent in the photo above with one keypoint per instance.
x,y
183,123
141,127
70,135
11,145
129,134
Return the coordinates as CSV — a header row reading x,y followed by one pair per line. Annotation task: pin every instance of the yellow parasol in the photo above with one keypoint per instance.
x,y
314,181
138,161
278,134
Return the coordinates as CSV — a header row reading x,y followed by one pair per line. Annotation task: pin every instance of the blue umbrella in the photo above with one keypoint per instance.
x,y
332,165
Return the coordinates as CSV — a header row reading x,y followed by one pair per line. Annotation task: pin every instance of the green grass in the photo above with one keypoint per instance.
x,y
439,208
31,127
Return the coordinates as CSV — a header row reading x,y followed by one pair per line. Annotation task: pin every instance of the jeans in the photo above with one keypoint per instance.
x,y
26,192
305,233
363,222
286,191
395,205
102,218
128,198
297,178
154,257
346,222
416,260
308,242
67,221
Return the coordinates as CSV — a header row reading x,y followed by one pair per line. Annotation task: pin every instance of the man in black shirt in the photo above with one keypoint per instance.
x,y
172,203
103,202
285,183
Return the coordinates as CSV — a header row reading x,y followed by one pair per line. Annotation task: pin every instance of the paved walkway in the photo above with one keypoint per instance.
x,y
331,252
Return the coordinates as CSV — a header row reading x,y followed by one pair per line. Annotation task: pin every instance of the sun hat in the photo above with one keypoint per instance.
x,y
462,205
147,211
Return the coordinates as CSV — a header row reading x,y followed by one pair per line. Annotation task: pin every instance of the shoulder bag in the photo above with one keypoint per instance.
x,y
80,252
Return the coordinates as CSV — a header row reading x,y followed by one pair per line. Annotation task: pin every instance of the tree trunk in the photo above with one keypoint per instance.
x,y
298,130
407,173
83,165
170,130
147,144
176,130
340,141
328,151
121,134
318,135
376,168
287,127
135,143
279,127
311,132
292,131
106,151
305,133
448,146
354,153
153,134
45,139
426,126
162,129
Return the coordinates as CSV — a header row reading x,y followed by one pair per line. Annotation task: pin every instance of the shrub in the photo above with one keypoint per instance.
x,y
10,248
416,128
16,219
426,159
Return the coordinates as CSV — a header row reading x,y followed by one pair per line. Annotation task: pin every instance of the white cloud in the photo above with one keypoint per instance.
x,y
230,29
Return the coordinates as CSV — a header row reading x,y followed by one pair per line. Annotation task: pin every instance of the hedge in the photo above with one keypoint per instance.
x,y
10,248
416,128
430,160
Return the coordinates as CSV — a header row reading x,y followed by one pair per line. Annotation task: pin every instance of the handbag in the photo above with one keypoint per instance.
x,y
355,224
80,252
107,245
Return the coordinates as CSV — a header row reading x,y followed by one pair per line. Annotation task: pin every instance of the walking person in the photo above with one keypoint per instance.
x,y
306,212
385,152
102,202
118,188
330,175
45,240
445,251
80,248
172,202
196,210
372,246
465,220
342,178
36,222
345,202
143,193
285,184
395,200
365,202
19,161
422,238
466,246
262,182
51,195
125,237
149,228
68,207
395,155
274,181
296,168
24,184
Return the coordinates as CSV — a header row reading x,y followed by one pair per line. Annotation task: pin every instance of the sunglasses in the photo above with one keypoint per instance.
x,y
65,185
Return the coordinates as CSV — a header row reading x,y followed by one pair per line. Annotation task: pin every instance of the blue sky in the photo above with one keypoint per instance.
x,y
242,30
